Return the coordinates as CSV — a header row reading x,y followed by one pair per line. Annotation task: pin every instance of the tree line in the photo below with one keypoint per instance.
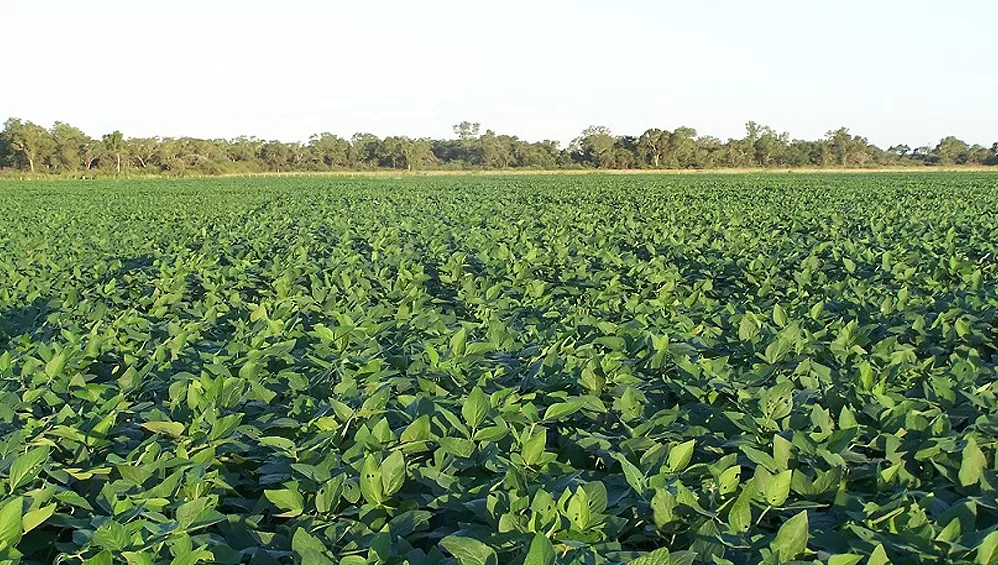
x,y
65,149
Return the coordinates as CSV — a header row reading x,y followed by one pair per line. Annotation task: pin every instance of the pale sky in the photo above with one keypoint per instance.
x,y
895,71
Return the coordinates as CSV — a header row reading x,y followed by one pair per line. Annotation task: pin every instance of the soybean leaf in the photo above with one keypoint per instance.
x,y
791,538
469,551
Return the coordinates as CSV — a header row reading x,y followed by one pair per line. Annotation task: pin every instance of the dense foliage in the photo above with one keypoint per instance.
x,y
67,150
585,370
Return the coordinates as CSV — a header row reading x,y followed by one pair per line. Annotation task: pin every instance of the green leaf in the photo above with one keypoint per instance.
x,y
847,420
469,551
689,557
879,556
418,430
844,559
393,473
781,451
475,407
457,446
740,514
578,510
972,464
629,404
26,467
309,557
591,380
188,512
302,540
663,505
288,499
562,409
371,483
458,342
260,313
10,522
778,488
309,549
281,443
680,456
329,494
55,365
963,327
192,557
541,551
707,544
657,557
137,558
134,474
491,433
597,495
817,310
987,551
111,536
103,558
780,316
533,447
747,328
632,474
35,518
173,429
225,426
791,539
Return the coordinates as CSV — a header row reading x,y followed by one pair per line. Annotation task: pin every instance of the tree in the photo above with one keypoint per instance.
x,y
681,152
166,156
406,153
798,153
328,151
623,158
992,158
364,150
298,156
418,153
468,147
72,148
26,142
245,152
952,151
392,150
977,155
848,150
540,155
625,152
710,151
276,156
66,149
143,150
738,153
650,146
467,131
594,147
114,144
497,150
925,154
768,146
206,156
900,150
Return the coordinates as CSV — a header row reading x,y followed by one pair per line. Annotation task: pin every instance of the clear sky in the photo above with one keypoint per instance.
x,y
891,70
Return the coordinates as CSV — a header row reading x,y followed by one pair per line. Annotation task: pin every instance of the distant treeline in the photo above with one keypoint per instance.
x,y
64,149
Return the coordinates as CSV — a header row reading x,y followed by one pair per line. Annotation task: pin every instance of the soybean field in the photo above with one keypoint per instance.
x,y
486,370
